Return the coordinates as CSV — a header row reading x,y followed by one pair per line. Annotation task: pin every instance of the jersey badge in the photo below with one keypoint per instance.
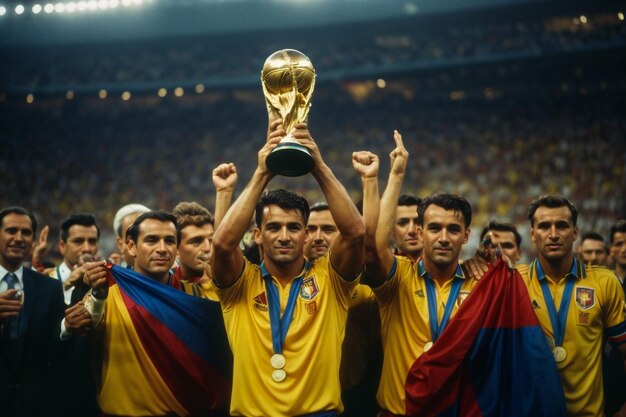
x,y
585,297
309,289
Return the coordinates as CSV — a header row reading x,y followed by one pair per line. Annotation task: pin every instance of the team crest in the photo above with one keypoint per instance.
x,y
585,297
311,307
309,289
260,302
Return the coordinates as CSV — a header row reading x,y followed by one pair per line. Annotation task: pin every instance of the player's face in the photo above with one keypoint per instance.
x,y
444,234
405,231
155,250
554,232
195,246
618,249
281,235
80,240
593,252
507,242
121,241
321,232
16,239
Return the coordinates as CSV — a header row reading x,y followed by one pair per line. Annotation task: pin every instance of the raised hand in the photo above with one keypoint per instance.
x,y
41,246
225,177
365,163
276,132
399,156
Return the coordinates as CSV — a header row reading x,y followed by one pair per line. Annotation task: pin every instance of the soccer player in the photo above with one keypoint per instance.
x,y
502,235
321,231
592,249
576,304
618,250
285,319
416,299
407,239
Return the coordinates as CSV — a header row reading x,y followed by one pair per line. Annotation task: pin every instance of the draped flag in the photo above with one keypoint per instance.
x,y
491,360
166,346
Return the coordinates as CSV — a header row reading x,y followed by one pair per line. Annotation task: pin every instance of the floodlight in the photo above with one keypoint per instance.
x,y
114,3
103,4
92,5
70,7
48,8
3,10
81,6
19,9
37,8
59,7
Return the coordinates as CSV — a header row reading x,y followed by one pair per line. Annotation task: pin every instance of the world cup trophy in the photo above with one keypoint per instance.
x,y
288,80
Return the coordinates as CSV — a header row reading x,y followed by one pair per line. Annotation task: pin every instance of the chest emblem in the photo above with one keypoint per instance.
x,y
585,297
309,289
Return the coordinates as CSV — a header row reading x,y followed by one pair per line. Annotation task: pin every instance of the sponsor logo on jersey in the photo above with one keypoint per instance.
x,y
260,302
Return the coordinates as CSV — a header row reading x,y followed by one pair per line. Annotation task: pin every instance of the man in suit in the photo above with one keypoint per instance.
x,y
31,310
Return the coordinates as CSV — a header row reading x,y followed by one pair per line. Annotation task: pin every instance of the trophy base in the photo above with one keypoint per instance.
x,y
290,159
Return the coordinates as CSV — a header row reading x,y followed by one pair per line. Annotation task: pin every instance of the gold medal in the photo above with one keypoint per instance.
x,y
559,354
427,346
279,375
277,361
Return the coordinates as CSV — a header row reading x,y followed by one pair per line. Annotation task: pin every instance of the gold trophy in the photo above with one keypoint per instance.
x,y
288,80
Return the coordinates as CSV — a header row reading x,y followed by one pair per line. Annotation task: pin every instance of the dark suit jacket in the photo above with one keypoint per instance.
x,y
29,378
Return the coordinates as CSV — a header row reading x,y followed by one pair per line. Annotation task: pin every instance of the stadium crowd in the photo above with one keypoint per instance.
x,y
401,44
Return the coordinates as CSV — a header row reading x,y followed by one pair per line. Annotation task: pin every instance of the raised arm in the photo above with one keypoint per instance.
x,y
379,270
347,251
227,258
366,164
224,181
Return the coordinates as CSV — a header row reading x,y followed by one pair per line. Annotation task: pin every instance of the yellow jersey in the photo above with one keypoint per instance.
x,y
596,306
312,346
405,326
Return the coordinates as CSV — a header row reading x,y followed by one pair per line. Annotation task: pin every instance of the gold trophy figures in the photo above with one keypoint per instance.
x,y
288,80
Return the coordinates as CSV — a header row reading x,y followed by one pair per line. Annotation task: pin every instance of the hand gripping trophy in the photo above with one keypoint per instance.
x,y
288,80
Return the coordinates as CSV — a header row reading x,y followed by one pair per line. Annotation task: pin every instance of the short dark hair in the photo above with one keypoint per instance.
x,y
409,200
81,219
502,227
161,215
192,213
619,227
551,201
286,200
447,202
21,211
319,206
592,236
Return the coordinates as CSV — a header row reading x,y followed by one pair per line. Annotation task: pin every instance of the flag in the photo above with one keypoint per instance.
x,y
491,360
168,347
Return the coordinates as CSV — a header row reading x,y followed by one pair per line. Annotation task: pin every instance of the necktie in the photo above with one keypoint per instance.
x,y
11,280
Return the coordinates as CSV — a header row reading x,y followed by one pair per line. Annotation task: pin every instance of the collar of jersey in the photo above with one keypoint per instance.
x,y
577,270
421,271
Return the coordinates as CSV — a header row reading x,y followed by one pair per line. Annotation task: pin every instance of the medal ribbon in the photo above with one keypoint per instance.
x,y
280,325
437,328
558,320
